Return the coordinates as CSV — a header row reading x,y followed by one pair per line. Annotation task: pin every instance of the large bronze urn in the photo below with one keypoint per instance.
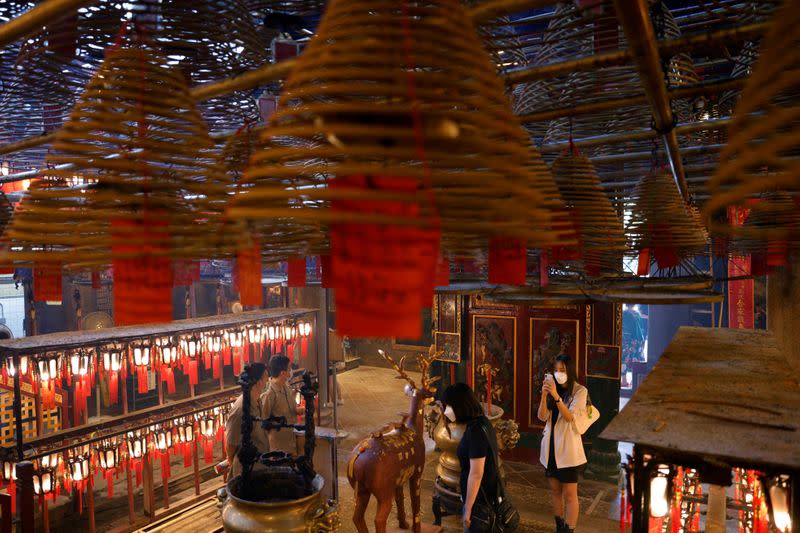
x,y
298,515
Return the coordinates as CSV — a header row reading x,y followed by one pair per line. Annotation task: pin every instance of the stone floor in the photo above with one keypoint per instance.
x,y
372,397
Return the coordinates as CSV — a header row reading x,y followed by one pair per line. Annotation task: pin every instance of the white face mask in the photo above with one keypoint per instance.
x,y
448,412
561,377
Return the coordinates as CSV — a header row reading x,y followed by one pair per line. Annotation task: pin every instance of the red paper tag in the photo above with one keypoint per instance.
x,y
643,268
47,278
248,269
326,277
297,272
508,261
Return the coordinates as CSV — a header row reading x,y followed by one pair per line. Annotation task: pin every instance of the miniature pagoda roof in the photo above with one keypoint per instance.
x,y
721,395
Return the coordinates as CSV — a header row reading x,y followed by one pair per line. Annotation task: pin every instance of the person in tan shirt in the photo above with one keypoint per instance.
x,y
279,400
233,425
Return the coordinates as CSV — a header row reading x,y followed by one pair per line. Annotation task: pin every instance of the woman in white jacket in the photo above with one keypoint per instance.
x,y
562,455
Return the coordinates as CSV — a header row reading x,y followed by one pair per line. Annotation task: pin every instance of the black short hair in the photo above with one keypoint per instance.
x,y
572,373
255,371
463,401
277,364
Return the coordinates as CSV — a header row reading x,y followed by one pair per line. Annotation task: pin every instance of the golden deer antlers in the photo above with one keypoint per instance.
x,y
424,363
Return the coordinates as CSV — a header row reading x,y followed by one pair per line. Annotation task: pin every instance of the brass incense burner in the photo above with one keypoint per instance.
x,y
285,496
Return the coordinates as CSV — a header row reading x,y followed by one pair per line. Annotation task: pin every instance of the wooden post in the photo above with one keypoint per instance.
x,y
45,516
37,408
90,501
5,513
196,465
26,497
124,383
17,408
131,517
149,488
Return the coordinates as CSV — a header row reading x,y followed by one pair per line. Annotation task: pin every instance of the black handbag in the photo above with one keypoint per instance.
x,y
500,515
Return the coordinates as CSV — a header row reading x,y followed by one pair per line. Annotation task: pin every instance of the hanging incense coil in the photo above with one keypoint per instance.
x,y
600,230
349,112
773,219
285,236
764,144
661,221
136,133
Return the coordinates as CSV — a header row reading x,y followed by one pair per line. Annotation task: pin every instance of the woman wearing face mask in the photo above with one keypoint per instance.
x,y
562,448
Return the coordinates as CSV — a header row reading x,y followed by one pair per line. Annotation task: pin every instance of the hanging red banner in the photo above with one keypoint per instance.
x,y
47,279
296,272
508,261
381,271
248,274
186,272
142,270
741,305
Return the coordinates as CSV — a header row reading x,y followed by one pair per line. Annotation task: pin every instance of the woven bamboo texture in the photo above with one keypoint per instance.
x,y
775,217
764,136
601,235
350,111
661,218
136,131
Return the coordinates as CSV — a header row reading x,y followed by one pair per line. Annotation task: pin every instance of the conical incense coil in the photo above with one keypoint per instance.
x,y
764,136
137,133
773,221
377,92
600,230
662,221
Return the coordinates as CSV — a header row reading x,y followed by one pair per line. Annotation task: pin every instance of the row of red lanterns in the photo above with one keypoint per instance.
x,y
163,354
76,467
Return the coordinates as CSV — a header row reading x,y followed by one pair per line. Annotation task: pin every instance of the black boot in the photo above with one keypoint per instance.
x,y
561,525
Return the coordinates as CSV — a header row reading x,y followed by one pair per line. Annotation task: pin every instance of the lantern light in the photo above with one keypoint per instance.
x,y
141,353
660,493
253,334
271,332
80,362
9,470
778,492
185,428
112,358
163,437
194,345
169,351
43,476
137,444
108,454
207,423
79,467
49,366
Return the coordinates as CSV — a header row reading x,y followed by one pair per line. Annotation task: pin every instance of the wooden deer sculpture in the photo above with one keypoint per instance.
x,y
395,454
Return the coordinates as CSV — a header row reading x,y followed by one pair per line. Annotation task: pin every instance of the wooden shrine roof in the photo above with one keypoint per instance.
x,y
74,339
720,394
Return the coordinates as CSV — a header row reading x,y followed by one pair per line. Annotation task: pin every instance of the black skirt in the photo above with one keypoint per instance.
x,y
564,475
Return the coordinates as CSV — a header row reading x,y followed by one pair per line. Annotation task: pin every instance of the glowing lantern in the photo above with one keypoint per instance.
x,y
185,430
108,457
10,476
660,494
169,358
49,367
137,449
141,360
208,426
162,442
112,365
304,330
80,366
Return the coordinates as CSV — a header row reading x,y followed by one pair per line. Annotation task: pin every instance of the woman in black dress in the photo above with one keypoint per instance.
x,y
478,471
562,452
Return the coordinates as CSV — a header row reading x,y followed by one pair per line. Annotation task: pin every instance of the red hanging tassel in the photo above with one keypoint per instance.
x,y
643,268
207,359
113,388
208,451
237,364
47,278
216,366
508,260
304,346
622,511
226,353
165,468
109,475
248,273
141,379
12,491
192,372
326,277
297,272
187,454
96,280
169,376
142,270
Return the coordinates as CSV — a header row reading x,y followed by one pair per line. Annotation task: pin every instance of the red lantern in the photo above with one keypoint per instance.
x,y
79,472
141,360
169,358
185,431
208,425
304,330
112,366
248,273
82,375
10,476
49,371
162,445
142,270
109,458
47,279
45,483
137,449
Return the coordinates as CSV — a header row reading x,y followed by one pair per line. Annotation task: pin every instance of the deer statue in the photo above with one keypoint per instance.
x,y
395,454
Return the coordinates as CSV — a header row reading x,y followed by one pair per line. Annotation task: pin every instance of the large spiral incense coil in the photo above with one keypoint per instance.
x,y
350,107
602,239
661,219
281,237
137,135
764,135
773,219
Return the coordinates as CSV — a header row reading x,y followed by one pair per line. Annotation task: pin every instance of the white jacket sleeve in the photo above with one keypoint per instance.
x,y
577,406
